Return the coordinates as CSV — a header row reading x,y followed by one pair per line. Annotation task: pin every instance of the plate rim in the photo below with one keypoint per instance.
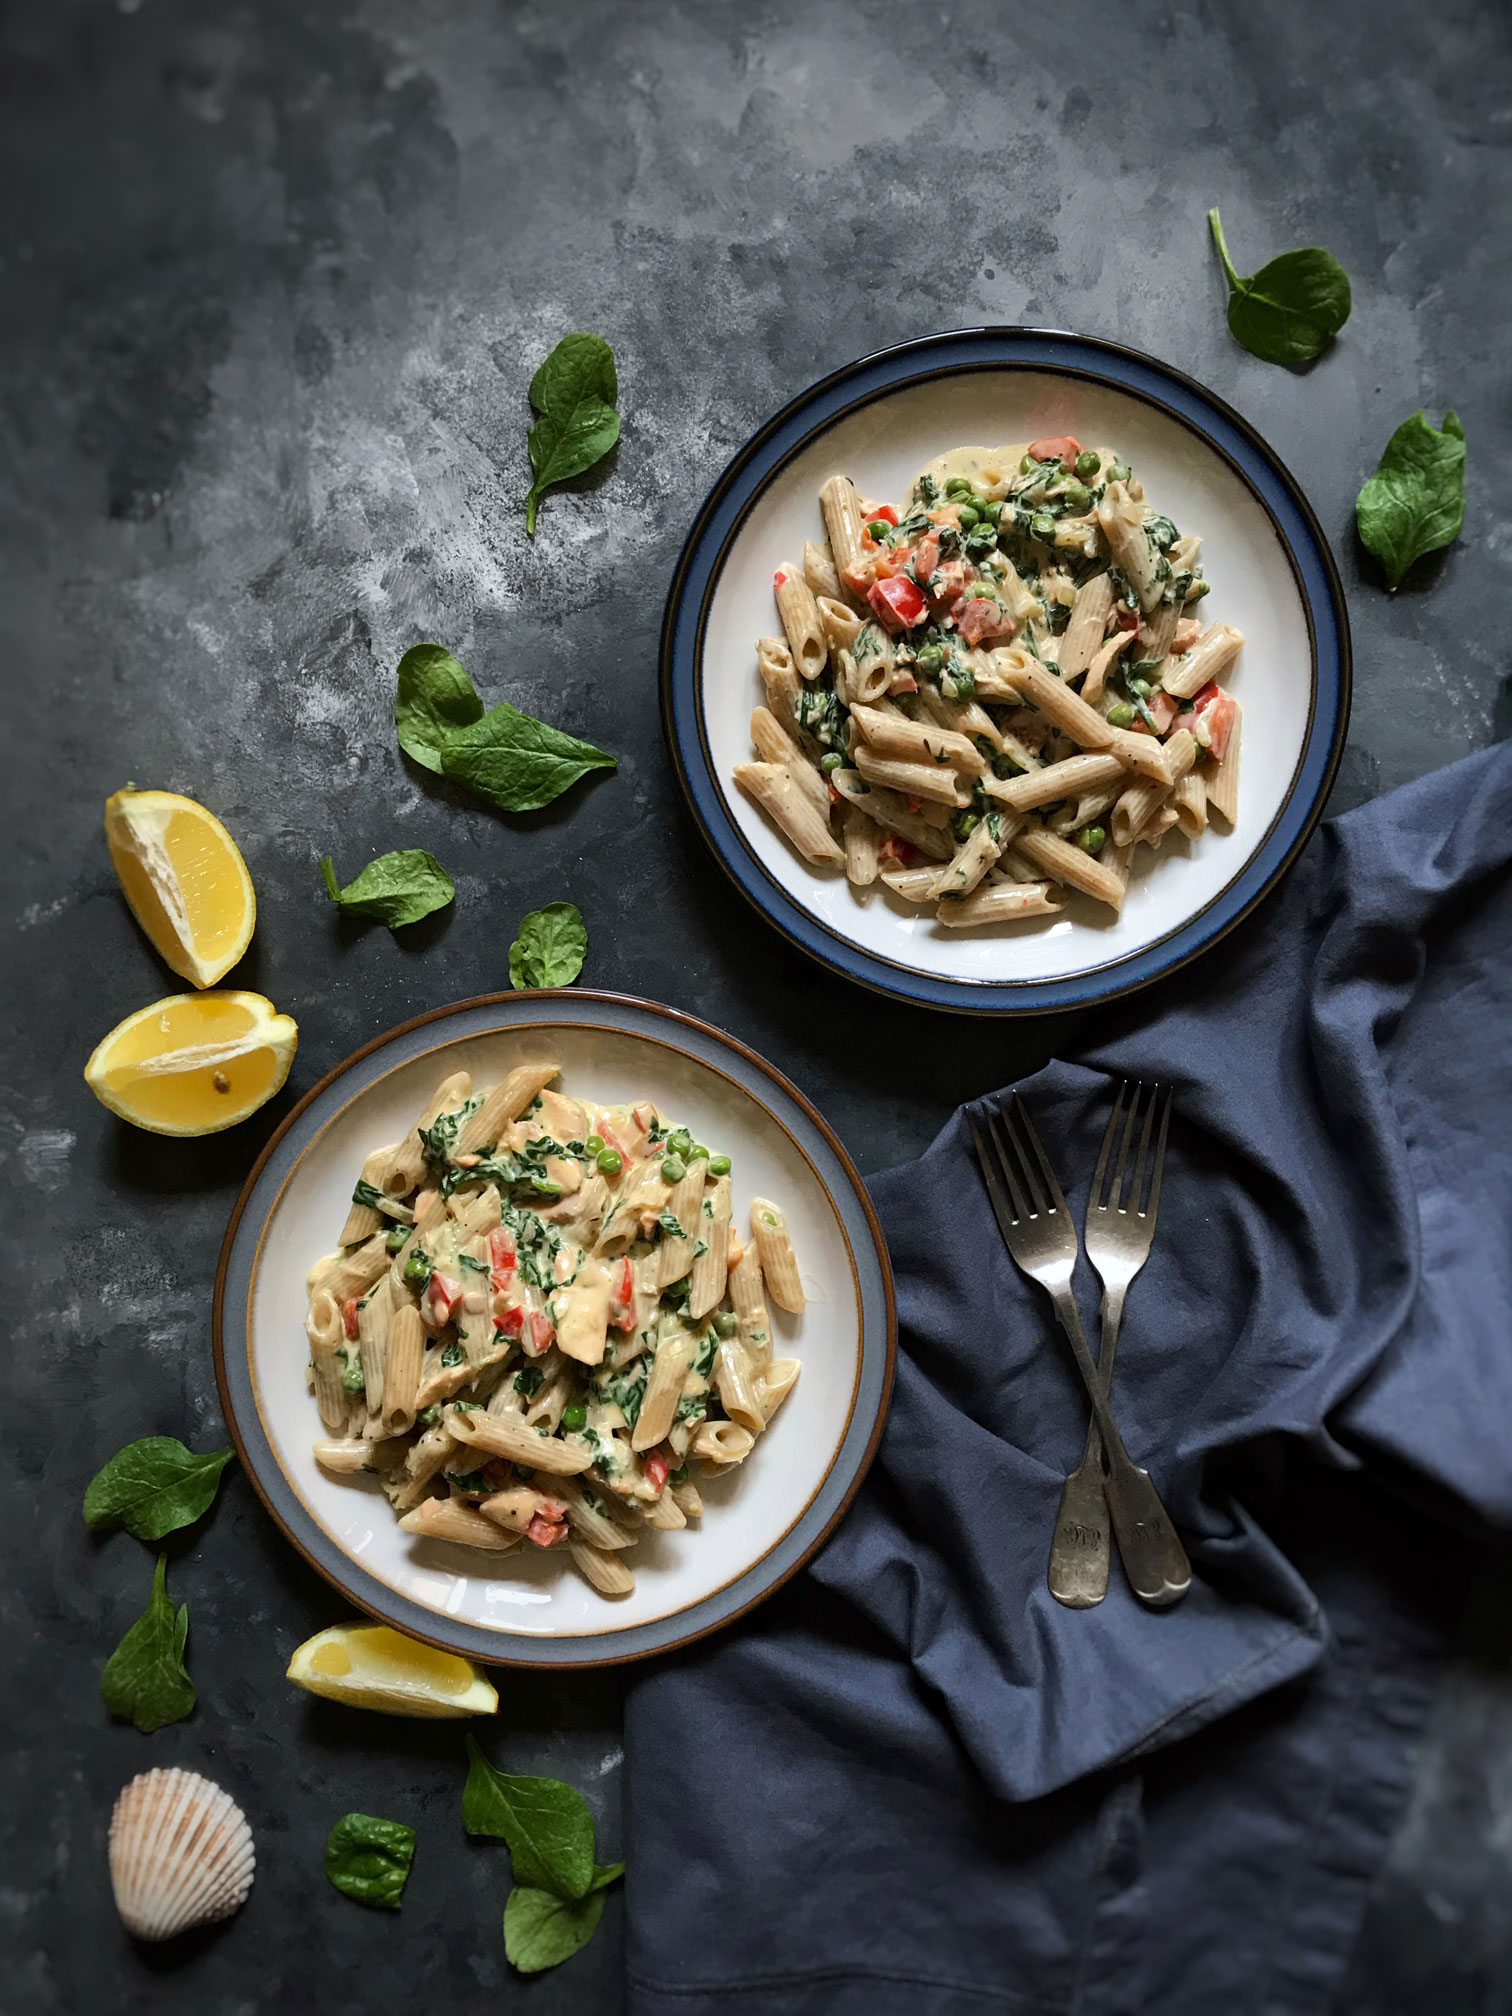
x,y
894,979
563,999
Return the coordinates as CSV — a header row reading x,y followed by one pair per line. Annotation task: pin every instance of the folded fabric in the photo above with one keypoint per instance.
x,y
914,1780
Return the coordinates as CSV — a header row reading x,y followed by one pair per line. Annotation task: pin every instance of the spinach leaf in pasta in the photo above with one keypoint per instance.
x,y
575,393
550,949
398,888
145,1678
1415,502
1292,308
153,1487
369,1859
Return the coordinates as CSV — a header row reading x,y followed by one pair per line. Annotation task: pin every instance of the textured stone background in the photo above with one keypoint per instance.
x,y
274,278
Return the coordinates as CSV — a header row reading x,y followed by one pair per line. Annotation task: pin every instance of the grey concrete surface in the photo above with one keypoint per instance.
x,y
273,280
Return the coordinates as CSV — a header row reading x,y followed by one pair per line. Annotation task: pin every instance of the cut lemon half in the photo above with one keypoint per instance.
x,y
370,1666
194,1063
185,880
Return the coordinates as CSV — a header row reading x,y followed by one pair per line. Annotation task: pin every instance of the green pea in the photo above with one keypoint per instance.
x,y
1141,687
988,510
879,529
1198,589
831,761
1091,837
957,486
1042,525
698,1152
968,516
397,1237
574,1417
673,1169
930,658
610,1161
594,1143
679,1141
546,1186
1027,465
726,1324
719,1165
1118,472
1088,464
1121,715
1077,496
352,1380
965,824
417,1270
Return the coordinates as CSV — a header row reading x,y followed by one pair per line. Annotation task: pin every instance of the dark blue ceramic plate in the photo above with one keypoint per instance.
x,y
761,1521
880,421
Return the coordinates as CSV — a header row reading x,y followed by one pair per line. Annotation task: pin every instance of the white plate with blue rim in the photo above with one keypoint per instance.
x,y
761,1521
883,419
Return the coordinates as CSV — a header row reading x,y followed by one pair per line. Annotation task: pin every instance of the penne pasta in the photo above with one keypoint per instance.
x,y
774,1249
664,1388
710,1270
998,903
1083,634
401,1382
775,745
935,781
819,570
893,734
841,505
408,1166
1207,661
1222,779
503,1435
607,1572
800,622
1072,777
890,810
1071,865
862,838
772,787
451,1519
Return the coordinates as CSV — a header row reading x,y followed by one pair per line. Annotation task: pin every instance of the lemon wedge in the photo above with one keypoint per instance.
x,y
185,880
194,1063
370,1666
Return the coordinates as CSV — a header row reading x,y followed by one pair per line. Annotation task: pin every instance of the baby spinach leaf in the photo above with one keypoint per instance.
x,y
574,392
1415,502
542,1931
145,1679
550,949
153,1487
434,699
1289,310
546,1823
369,1859
517,762
397,889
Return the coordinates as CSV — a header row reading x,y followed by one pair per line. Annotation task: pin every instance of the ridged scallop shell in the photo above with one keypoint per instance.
x,y
180,1854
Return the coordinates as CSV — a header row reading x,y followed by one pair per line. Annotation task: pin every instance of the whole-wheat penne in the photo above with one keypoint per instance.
x,y
1122,521
772,787
506,1102
664,1386
1103,661
774,1248
871,665
1140,802
401,1372
892,811
722,1443
710,1270
451,1519
800,621
1190,798
840,623
326,1331
502,1435
1209,658
861,838
937,782
408,1166
775,745
607,1572
841,504
1083,634
681,1222
1077,774
775,1383
364,1218
972,859
1222,777
779,679
374,1312
998,903
736,1382
1070,864
893,734
819,570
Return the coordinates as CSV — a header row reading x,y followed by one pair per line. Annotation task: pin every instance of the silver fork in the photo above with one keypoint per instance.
x,y
1120,1228
1036,1226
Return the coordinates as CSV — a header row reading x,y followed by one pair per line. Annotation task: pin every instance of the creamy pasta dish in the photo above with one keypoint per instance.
x,y
543,1326
998,690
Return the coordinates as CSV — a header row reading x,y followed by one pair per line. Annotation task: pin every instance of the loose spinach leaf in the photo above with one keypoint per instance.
x,y
517,762
550,949
397,889
542,1931
574,392
369,1859
1415,502
153,1487
435,698
1289,310
546,1823
145,1679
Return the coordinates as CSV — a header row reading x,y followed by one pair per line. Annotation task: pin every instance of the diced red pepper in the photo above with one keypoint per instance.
x,y
644,1117
1163,711
657,1469
884,512
444,1294
899,603
542,1331
953,577
546,1532
1211,719
896,848
1055,448
622,1296
1125,617
349,1316
510,1324
980,618
834,795
902,681
926,556
503,1256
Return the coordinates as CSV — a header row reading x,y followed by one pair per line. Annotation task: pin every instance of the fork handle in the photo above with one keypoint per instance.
x,y
1081,1551
1154,1559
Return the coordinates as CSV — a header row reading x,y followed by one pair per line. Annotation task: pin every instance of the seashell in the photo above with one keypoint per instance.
x,y
181,1854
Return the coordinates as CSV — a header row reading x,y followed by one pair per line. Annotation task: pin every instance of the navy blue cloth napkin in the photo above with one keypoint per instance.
x,y
913,1782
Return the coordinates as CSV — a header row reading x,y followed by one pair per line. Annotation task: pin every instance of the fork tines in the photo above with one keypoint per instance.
x,y
1144,1180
